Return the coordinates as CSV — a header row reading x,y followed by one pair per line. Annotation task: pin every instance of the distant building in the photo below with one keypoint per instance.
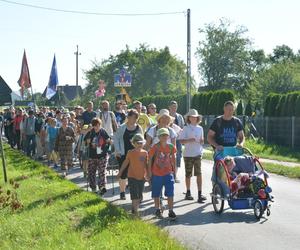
x,y
69,91
5,93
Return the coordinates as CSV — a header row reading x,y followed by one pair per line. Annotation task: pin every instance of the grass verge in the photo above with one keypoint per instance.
x,y
272,151
292,172
56,214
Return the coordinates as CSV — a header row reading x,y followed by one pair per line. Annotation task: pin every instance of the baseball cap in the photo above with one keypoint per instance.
x,y
138,138
163,131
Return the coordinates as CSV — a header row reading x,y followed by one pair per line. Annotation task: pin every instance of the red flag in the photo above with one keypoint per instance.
x,y
24,80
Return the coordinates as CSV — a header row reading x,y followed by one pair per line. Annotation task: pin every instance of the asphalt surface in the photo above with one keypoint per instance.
x,y
198,227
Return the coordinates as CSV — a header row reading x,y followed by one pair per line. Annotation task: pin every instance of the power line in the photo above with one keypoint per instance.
x,y
92,13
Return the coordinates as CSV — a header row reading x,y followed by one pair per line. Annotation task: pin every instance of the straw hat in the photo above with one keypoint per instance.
x,y
163,112
193,113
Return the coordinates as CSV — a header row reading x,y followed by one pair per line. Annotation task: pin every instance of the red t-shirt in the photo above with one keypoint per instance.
x,y
163,159
17,121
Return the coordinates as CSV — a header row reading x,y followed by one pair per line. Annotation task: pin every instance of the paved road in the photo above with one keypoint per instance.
x,y
198,227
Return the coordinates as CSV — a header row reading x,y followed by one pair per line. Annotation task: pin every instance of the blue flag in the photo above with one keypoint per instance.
x,y
53,81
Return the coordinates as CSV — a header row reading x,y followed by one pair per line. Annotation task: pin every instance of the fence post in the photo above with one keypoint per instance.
x,y
293,131
267,129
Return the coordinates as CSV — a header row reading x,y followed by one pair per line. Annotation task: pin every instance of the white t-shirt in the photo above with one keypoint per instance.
x,y
192,149
152,132
106,122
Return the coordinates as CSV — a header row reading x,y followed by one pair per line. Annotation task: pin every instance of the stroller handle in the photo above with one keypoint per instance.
x,y
231,151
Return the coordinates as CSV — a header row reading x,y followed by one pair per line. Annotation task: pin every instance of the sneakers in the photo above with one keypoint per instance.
x,y
158,214
122,196
188,196
172,215
201,199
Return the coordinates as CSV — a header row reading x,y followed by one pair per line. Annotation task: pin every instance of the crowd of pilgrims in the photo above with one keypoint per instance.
x,y
146,144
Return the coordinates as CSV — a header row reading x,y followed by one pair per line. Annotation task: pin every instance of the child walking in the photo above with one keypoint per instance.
x,y
161,168
51,134
82,150
192,137
136,159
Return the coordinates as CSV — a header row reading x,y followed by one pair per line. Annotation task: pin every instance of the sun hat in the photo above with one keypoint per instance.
x,y
193,113
138,138
163,131
163,112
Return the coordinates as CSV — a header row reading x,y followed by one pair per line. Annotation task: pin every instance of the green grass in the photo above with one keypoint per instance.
x,y
272,151
292,172
59,215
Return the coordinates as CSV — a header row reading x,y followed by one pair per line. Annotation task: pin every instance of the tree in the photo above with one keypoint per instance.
x,y
279,78
282,53
224,57
154,72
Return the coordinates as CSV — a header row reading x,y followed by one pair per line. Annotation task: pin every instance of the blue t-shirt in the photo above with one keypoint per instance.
x,y
52,132
226,131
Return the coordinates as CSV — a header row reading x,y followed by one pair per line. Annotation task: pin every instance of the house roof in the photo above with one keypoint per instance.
x,y
68,90
5,93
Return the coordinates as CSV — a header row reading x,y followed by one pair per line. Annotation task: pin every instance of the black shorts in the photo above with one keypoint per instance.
x,y
125,172
136,188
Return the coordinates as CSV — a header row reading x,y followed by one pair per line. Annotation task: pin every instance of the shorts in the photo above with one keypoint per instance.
x,y
125,172
136,188
159,181
192,163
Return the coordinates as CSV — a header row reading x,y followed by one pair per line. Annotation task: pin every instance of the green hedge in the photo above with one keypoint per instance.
x,y
207,103
283,105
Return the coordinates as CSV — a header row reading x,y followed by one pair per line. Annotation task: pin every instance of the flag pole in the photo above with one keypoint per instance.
x,y
33,100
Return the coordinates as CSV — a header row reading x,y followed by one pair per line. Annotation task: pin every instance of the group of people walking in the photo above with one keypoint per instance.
x,y
149,146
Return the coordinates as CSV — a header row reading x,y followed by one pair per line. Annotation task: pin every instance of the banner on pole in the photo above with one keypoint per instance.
x,y
123,79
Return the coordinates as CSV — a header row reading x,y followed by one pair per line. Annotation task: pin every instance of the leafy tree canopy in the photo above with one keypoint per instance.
x,y
153,71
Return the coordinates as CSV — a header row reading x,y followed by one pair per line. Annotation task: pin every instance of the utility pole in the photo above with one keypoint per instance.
x,y
77,54
188,61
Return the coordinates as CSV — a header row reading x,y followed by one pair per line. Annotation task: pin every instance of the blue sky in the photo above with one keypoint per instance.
x,y
43,33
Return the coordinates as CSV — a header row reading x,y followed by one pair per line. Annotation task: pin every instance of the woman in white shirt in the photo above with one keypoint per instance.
x,y
163,121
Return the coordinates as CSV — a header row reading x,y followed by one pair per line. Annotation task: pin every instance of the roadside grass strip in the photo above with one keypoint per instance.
x,y
292,172
272,151
56,214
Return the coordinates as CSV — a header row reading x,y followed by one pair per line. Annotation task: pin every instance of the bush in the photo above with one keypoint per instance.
x,y
207,103
163,101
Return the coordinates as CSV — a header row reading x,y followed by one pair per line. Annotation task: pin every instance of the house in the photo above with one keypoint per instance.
x,y
5,93
68,91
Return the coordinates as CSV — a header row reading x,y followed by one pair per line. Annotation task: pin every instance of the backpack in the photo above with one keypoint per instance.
x,y
171,147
